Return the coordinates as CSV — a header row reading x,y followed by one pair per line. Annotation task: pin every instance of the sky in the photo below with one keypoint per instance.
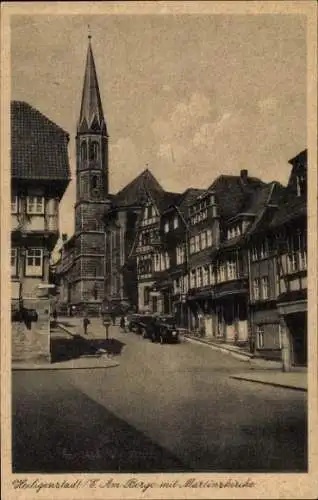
x,y
190,96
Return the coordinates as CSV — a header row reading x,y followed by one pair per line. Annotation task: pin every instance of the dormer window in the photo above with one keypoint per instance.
x,y
175,223
166,227
300,185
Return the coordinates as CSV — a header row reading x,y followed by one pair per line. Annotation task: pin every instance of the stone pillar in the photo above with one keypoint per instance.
x,y
21,269
46,265
286,346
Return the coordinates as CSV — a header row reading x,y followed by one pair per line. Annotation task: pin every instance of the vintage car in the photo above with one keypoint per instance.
x,y
139,322
163,329
133,322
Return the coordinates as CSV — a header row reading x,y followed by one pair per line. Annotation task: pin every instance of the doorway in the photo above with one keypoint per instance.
x,y
297,325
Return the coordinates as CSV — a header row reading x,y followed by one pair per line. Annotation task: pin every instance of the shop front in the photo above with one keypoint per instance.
x,y
293,321
230,314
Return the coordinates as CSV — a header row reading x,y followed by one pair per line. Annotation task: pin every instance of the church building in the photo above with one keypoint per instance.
x,y
82,265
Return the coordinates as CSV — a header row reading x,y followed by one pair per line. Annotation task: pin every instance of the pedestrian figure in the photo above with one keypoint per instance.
x,y
123,323
86,322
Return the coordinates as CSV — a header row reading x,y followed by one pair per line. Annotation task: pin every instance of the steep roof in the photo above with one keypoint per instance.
x,y
167,200
290,210
187,198
262,205
39,147
233,194
265,206
291,205
91,116
135,193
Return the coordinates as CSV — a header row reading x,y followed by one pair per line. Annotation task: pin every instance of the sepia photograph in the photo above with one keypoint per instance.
x,y
159,244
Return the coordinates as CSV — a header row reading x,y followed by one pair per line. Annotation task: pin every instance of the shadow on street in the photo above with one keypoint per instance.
x,y
67,324
56,428
65,349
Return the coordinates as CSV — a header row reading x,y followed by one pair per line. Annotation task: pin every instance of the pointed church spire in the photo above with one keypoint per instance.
x,y
91,116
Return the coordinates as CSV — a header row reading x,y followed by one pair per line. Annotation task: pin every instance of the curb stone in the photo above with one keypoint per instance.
x,y
273,384
243,357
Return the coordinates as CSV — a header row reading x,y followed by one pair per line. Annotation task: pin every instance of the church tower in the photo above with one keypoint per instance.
x,y
92,200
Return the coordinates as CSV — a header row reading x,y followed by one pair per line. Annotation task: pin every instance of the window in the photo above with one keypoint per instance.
x,y
192,279
84,150
157,262
221,272
175,223
260,251
260,336
263,253
14,204
94,151
180,254
185,284
292,262
212,275
209,237
192,245
166,227
205,275
300,185
302,259
203,240
265,287
166,260
34,261
14,261
94,181
95,292
199,276
256,289
254,253
35,204
197,242
231,270
297,252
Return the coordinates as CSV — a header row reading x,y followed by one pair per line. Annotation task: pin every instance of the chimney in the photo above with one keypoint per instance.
x,y
244,176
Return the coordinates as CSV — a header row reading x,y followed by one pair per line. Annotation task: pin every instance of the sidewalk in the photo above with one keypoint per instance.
x,y
102,361
235,351
258,370
74,351
296,380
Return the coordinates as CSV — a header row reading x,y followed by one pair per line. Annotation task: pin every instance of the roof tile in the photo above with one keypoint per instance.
x,y
39,147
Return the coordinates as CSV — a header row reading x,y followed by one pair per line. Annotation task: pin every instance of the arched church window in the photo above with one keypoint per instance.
x,y
94,182
84,150
94,151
